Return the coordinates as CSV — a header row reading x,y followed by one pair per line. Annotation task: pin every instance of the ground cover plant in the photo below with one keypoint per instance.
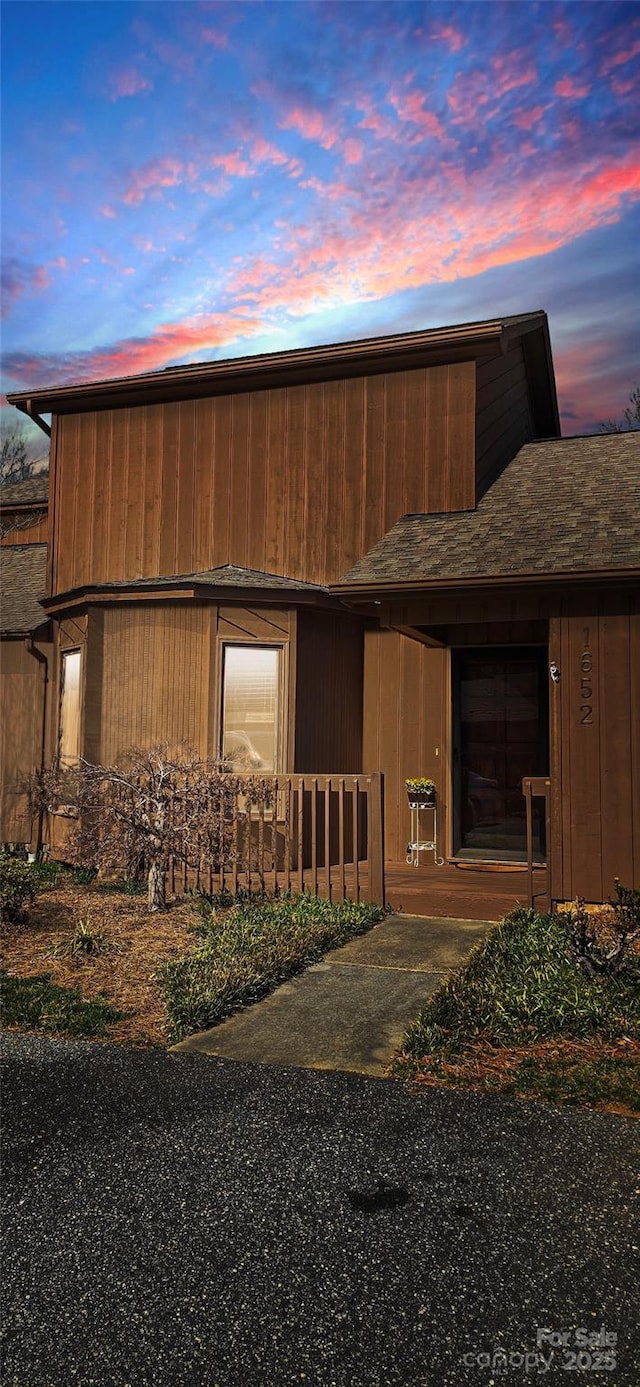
x,y
99,941
248,949
546,1006
165,974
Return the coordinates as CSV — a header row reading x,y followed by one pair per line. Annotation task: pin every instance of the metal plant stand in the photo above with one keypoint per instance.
x,y
419,844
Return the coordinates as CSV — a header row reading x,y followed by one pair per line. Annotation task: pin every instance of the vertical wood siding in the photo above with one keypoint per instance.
x,y
299,480
600,762
504,420
21,713
404,726
155,678
329,670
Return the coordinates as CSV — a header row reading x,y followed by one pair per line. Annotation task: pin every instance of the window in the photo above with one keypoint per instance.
x,y
251,707
69,743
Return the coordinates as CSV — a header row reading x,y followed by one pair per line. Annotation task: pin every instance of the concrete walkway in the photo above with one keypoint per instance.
x,y
350,1011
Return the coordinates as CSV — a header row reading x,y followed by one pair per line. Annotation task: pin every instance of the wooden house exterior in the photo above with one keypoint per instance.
x,y
268,524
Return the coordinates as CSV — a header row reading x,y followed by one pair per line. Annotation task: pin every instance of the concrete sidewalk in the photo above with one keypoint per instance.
x,y
350,1011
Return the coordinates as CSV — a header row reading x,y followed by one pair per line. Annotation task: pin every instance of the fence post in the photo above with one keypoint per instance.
x,y
376,839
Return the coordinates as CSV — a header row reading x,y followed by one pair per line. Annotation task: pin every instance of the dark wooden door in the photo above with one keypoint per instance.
x,y
500,735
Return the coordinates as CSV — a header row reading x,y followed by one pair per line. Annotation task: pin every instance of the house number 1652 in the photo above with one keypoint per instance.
x,y
586,681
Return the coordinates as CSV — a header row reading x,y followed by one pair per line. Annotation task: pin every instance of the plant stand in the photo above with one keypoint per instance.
x,y
419,844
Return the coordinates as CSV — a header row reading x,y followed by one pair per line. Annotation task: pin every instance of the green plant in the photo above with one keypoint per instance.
x,y
38,1004
420,783
83,942
84,876
19,885
249,950
523,983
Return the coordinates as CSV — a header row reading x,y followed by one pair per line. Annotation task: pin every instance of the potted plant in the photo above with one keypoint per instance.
x,y
421,792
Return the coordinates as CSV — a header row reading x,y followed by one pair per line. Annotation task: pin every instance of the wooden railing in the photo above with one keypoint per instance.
x,y
538,787
317,833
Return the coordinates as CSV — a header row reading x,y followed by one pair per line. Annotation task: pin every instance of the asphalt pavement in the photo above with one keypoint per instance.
x,y
187,1221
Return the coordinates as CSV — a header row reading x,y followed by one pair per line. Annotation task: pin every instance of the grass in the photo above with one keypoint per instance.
x,y
249,950
38,1004
522,1017
163,975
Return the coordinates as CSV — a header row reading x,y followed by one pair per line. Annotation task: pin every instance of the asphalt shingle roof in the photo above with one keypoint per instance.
x,y
23,580
33,490
228,575
565,505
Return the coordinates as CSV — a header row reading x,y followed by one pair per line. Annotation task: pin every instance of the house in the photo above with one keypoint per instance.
x,y
351,564
25,645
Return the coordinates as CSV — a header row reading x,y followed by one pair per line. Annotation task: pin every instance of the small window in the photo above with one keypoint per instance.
x,y
69,743
251,707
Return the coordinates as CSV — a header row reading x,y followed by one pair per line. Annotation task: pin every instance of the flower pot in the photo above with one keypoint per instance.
x,y
422,799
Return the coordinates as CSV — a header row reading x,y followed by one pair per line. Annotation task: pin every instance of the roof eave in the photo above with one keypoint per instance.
x,y
374,590
243,373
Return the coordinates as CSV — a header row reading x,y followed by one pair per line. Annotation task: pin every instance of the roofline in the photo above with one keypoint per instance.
x,y
373,591
248,372
189,591
16,506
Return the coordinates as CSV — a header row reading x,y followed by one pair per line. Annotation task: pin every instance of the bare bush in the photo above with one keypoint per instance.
x,y
156,807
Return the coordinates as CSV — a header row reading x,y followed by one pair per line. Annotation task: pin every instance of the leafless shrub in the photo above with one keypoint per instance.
x,y
157,806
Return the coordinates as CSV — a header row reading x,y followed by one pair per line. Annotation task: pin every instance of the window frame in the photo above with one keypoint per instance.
x,y
281,720
68,765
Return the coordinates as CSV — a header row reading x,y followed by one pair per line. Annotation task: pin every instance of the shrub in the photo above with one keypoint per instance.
x,y
250,950
523,983
19,885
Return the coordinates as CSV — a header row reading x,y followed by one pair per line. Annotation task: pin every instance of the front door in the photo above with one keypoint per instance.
x,y
500,735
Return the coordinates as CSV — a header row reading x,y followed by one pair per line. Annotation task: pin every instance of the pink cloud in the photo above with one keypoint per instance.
x,y
525,120
108,211
129,81
352,151
510,71
447,34
411,108
311,124
624,55
570,89
157,174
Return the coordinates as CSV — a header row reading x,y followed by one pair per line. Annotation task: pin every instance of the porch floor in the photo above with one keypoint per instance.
x,y
469,891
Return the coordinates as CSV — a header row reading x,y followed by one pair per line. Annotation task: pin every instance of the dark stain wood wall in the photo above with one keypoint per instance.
x,y
22,709
329,675
504,419
298,481
596,743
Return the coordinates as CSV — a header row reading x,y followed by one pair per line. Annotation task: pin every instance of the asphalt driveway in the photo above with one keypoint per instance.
x,y
186,1221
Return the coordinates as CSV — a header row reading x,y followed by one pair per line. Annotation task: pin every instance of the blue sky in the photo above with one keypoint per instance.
x,y
197,180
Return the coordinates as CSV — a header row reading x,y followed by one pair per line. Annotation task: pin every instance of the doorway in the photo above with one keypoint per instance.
x,y
500,735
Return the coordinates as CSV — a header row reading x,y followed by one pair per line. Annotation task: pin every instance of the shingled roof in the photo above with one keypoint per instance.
x,y
32,491
227,576
563,506
23,580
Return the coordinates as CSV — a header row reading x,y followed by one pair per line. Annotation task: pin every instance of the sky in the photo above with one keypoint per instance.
x,y
193,181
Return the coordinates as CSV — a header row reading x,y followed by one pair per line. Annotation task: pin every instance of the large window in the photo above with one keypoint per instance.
x,y
69,743
251,707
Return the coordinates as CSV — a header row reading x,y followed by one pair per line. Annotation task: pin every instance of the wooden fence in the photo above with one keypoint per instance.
x,y
317,833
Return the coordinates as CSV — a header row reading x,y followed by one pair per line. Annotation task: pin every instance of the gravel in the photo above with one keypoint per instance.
x,y
179,1219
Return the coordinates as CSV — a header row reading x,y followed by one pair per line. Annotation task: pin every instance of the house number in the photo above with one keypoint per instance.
x,y
586,682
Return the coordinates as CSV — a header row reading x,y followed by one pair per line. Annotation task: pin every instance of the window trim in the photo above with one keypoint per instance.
x,y
282,721
70,650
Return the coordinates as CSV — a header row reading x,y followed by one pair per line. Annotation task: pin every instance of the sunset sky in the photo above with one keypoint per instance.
x,y
188,181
